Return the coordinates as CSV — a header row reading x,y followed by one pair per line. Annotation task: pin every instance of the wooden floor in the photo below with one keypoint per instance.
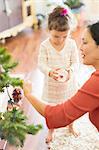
x,y
24,48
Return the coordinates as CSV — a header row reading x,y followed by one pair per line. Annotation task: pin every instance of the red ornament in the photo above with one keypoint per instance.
x,y
17,95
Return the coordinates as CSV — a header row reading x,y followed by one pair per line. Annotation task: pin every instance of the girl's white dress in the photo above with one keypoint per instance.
x,y
49,58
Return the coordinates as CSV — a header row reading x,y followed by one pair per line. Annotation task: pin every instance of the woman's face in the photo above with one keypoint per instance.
x,y
89,50
58,37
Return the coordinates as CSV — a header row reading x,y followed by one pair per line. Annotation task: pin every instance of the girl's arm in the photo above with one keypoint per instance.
x,y
43,63
74,65
74,53
43,60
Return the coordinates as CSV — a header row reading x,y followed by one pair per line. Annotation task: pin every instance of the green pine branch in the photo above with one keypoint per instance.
x,y
6,81
7,64
13,127
13,124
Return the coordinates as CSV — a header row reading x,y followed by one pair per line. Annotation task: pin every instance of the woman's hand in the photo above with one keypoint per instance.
x,y
36,103
27,87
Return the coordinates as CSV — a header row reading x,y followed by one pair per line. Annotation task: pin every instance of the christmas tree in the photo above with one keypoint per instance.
x,y
6,65
13,122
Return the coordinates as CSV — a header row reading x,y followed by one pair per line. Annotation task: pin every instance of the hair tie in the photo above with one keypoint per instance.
x,y
64,12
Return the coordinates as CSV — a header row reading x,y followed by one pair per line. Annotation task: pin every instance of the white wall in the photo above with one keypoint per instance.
x,y
40,6
91,9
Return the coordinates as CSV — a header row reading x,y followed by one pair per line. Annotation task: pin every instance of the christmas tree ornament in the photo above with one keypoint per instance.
x,y
10,106
63,75
17,95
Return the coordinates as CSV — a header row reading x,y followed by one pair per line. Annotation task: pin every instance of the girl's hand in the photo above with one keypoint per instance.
x,y
61,75
53,74
67,75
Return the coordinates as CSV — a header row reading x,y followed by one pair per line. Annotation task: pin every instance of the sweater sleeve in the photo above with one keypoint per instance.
x,y
74,61
74,53
43,60
86,100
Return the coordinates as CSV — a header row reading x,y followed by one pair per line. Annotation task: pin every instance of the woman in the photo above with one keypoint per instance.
x,y
86,99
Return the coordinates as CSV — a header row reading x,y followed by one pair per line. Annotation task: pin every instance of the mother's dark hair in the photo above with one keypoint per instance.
x,y
94,30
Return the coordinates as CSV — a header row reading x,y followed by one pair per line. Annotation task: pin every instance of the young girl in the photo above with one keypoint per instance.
x,y
57,55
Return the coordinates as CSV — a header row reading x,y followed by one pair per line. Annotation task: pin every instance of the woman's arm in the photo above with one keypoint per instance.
x,y
37,104
86,100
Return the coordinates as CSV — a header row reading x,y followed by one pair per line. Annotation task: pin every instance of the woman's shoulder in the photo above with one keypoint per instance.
x,y
95,73
90,85
94,77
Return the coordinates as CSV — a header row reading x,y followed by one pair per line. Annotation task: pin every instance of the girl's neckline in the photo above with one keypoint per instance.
x,y
58,51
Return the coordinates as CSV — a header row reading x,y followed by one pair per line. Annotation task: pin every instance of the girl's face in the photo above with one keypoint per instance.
x,y
89,50
58,37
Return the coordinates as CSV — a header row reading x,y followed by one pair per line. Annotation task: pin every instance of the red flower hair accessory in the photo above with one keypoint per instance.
x,y
64,12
